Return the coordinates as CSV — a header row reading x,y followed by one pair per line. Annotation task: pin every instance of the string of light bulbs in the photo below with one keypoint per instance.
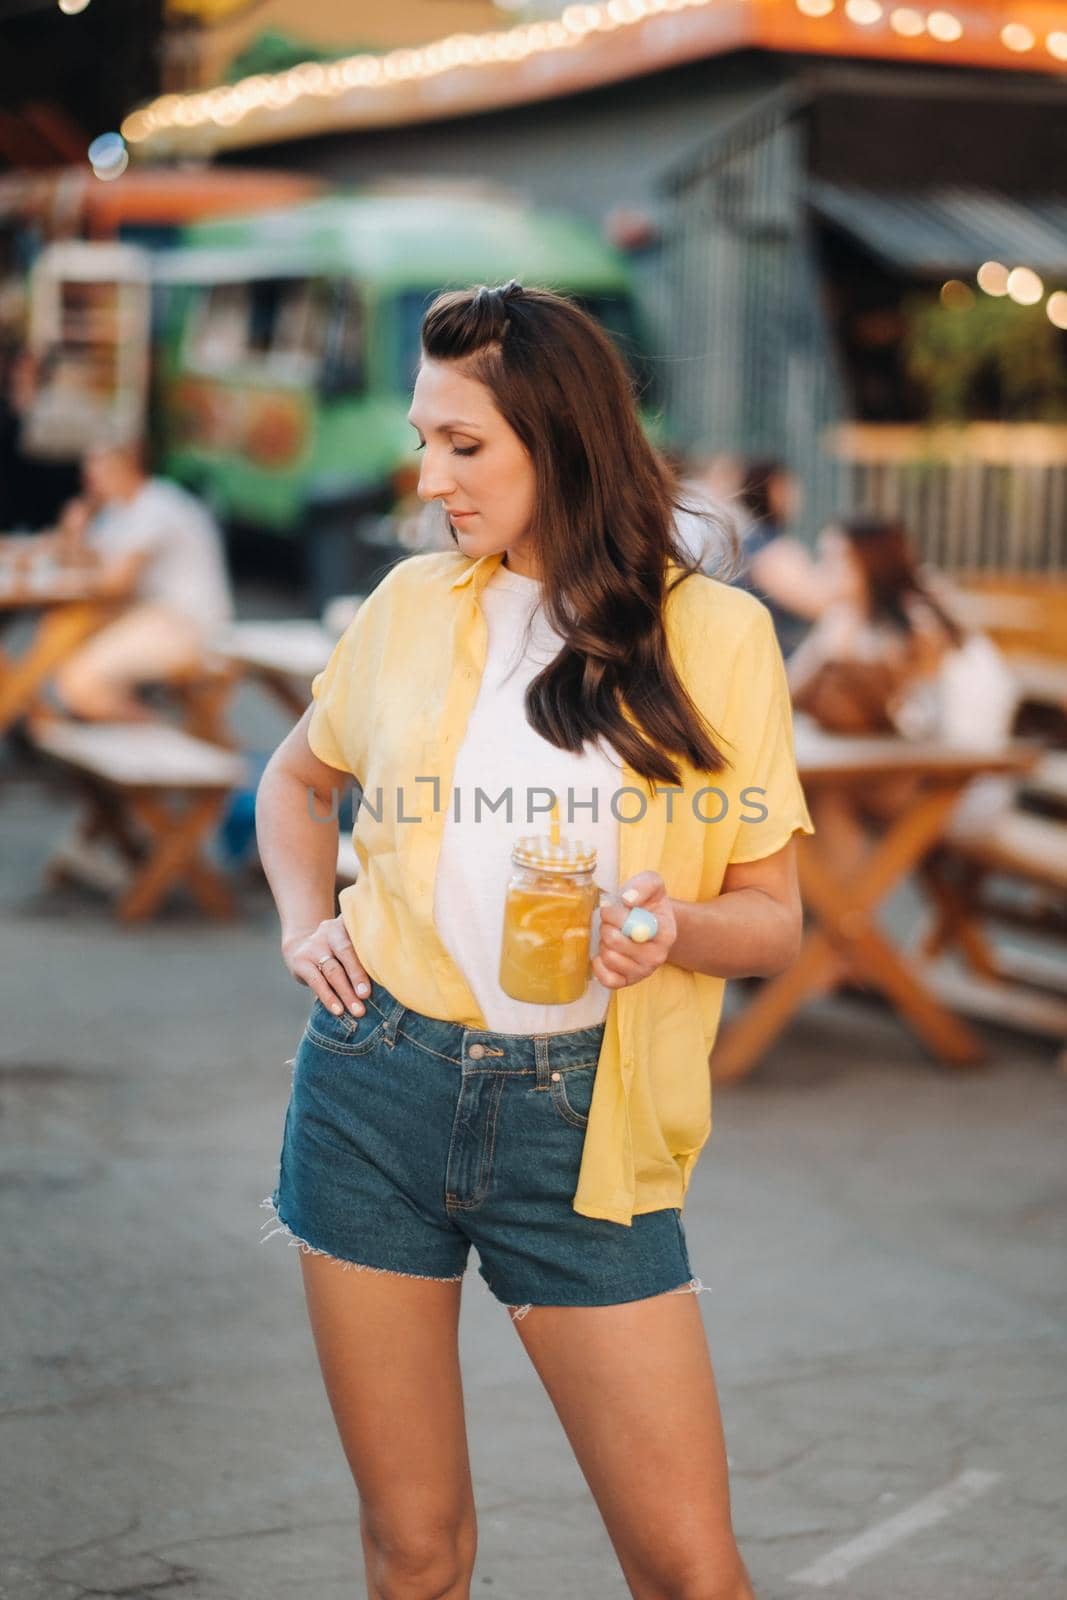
x,y
1021,284
228,104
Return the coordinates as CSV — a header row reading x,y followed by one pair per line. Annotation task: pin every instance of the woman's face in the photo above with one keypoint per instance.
x,y
475,464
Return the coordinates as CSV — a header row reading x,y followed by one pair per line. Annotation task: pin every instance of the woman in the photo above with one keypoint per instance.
x,y
888,656
561,649
889,618
777,567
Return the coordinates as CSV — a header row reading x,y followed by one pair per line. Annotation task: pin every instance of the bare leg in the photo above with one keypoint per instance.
x,y
389,1352
146,643
634,1389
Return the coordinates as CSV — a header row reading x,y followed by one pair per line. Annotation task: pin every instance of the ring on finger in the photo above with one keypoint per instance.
x,y
325,962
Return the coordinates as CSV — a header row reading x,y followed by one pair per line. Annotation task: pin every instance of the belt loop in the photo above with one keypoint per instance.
x,y
392,1022
541,1060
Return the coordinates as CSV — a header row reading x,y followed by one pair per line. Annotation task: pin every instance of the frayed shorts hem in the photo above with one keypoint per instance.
x,y
295,1242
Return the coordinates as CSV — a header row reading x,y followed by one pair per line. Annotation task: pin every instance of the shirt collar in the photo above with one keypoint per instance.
x,y
479,572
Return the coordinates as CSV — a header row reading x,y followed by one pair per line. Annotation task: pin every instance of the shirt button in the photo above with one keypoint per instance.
x,y
476,1052
555,1077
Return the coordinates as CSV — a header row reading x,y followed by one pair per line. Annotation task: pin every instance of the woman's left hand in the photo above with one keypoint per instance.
x,y
621,962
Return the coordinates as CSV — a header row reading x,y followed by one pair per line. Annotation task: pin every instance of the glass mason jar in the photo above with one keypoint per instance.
x,y
548,919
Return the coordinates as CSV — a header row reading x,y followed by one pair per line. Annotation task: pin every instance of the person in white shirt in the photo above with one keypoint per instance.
x,y
160,540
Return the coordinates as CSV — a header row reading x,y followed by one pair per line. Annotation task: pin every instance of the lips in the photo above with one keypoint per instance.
x,y
458,516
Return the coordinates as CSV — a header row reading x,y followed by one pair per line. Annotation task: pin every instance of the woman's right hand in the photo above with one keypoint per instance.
x,y
324,958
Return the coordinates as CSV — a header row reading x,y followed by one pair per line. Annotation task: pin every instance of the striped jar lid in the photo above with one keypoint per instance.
x,y
569,855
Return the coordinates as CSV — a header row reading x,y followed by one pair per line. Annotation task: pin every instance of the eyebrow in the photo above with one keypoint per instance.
x,y
446,427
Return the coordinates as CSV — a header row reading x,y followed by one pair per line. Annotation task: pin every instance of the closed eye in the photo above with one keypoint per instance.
x,y
456,449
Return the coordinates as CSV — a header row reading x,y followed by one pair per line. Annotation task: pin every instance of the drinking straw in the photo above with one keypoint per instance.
x,y
554,826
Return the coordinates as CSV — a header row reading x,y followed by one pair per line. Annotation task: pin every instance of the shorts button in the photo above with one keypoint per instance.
x,y
555,1077
476,1052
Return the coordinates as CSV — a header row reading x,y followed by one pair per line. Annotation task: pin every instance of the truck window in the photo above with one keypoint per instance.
x,y
217,336
295,329
343,341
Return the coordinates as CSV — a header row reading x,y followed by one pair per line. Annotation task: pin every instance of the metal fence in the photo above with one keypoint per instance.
x,y
990,496
750,367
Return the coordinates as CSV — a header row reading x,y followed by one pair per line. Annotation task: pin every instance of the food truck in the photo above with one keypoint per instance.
x,y
291,338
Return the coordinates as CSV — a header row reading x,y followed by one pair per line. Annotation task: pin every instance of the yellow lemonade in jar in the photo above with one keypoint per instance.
x,y
548,917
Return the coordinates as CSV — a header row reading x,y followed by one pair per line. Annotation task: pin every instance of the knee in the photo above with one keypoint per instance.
x,y
80,688
424,1564
705,1588
709,1581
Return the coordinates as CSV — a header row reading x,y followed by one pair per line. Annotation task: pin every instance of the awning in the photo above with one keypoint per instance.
x,y
939,231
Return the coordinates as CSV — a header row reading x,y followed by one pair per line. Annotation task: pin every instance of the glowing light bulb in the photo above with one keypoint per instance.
x,y
1024,286
1056,309
906,22
863,11
993,278
1017,36
944,27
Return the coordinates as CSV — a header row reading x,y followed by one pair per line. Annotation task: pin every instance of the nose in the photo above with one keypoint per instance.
x,y
435,477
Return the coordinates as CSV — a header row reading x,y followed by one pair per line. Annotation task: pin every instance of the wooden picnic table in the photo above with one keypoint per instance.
x,y
843,939
74,600
284,656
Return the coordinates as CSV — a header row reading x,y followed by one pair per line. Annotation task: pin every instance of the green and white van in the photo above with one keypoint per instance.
x,y
289,341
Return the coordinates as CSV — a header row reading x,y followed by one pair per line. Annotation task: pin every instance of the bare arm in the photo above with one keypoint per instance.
x,y
753,928
786,572
296,826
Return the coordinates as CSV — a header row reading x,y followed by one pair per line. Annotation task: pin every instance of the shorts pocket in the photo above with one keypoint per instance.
x,y
346,1035
572,1094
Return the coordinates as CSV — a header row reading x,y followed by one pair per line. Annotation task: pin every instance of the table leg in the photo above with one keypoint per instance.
x,y
174,856
847,942
742,1044
57,635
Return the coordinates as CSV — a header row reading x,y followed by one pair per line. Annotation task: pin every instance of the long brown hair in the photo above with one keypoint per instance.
x,y
891,574
603,522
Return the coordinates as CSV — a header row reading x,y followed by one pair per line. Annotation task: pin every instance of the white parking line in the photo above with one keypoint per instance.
x,y
924,1513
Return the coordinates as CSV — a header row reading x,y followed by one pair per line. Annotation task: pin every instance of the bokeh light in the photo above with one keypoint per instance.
x,y
944,27
1017,36
1057,308
907,22
108,156
993,277
956,295
1024,286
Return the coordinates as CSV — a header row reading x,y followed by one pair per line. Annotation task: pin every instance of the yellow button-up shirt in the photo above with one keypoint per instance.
x,y
391,708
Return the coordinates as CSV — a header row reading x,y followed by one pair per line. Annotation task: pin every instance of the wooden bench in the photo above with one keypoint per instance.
x,y
157,793
284,656
1012,872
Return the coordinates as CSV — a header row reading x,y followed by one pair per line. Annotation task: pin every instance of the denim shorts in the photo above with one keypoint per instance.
x,y
408,1139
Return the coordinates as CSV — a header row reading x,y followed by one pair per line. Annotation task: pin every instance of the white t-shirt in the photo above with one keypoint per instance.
x,y
186,566
501,754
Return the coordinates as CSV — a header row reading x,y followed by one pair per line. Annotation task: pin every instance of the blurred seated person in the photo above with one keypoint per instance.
x,y
705,523
776,566
160,542
888,657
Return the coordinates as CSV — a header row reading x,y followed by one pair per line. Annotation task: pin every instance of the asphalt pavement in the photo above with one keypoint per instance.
x,y
883,1240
